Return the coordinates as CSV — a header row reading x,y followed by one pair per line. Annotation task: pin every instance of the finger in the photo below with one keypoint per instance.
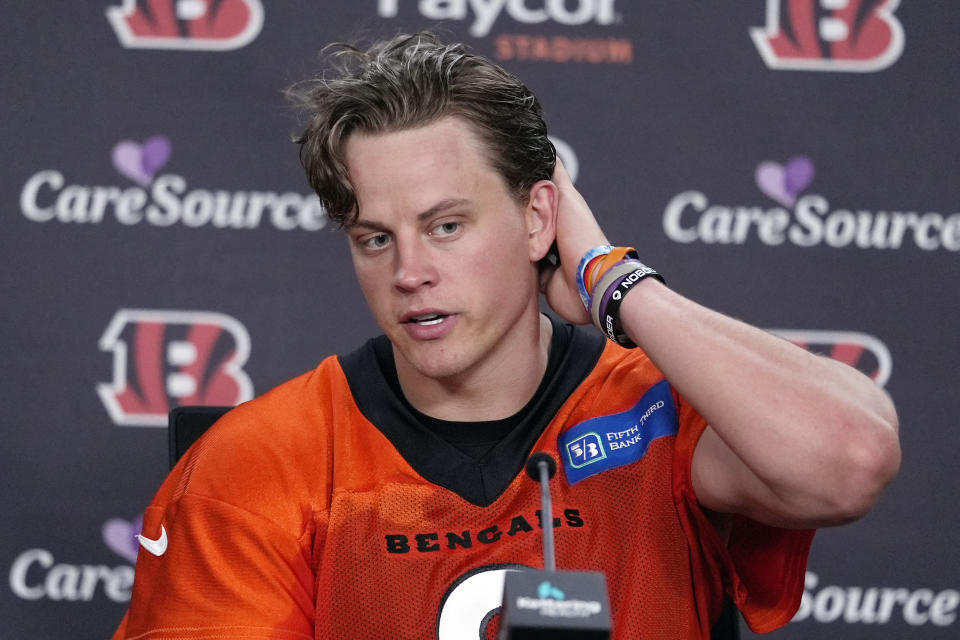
x,y
560,175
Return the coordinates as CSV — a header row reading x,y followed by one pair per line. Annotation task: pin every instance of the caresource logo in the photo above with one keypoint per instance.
x,y
36,575
876,605
803,219
830,35
483,16
163,199
861,351
208,25
163,359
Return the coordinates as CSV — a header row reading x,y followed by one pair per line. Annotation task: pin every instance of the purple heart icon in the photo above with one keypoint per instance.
x,y
120,537
141,162
785,183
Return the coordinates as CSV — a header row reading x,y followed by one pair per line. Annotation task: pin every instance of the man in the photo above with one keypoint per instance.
x,y
382,494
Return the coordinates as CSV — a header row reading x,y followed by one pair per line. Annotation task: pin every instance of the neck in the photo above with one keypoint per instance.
x,y
493,389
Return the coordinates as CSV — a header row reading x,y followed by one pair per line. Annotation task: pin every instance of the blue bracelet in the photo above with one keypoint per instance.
x,y
602,250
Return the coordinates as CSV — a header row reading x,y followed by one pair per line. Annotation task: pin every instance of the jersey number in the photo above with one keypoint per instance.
x,y
471,603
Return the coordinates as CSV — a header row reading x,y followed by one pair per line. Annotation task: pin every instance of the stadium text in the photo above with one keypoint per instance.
x,y
562,49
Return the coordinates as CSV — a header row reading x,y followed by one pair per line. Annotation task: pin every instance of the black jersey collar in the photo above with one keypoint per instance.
x,y
482,481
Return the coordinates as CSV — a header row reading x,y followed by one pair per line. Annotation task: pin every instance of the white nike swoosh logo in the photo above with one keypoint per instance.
x,y
157,547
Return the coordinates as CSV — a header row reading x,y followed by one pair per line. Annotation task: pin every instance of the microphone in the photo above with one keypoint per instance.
x,y
541,467
553,604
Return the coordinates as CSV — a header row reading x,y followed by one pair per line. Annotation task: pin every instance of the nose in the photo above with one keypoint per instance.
x,y
413,267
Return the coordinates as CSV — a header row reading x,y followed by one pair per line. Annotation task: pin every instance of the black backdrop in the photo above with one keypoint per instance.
x,y
789,162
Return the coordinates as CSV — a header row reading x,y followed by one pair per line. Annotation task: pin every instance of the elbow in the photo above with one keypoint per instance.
x,y
868,465
881,457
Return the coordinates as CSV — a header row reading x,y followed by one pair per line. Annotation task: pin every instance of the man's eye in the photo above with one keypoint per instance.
x,y
446,228
376,241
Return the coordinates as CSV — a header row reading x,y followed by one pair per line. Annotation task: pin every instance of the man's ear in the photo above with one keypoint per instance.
x,y
541,218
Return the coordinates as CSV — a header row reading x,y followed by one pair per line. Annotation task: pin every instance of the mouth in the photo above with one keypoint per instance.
x,y
422,324
426,319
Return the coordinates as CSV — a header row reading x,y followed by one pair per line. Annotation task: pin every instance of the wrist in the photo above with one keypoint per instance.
x,y
605,275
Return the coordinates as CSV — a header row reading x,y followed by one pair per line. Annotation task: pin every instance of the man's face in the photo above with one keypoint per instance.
x,y
442,251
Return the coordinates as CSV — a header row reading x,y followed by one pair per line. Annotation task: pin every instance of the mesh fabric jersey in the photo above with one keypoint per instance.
x,y
322,510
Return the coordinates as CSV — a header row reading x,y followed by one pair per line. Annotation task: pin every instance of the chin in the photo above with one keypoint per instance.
x,y
438,369
437,366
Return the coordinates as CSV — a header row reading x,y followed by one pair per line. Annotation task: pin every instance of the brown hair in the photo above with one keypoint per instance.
x,y
411,81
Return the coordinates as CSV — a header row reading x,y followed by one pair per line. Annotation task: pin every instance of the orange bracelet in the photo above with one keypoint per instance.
x,y
601,264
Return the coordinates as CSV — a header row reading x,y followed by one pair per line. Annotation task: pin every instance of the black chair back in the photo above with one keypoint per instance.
x,y
186,424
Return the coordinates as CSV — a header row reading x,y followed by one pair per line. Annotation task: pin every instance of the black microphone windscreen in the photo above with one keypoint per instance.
x,y
533,465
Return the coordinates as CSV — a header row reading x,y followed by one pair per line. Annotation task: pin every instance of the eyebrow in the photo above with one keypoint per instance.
x,y
440,207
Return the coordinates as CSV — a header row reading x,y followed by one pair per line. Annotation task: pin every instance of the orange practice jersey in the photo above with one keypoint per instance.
x,y
314,512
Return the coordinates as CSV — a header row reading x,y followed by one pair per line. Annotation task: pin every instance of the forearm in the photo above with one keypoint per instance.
x,y
795,439
818,435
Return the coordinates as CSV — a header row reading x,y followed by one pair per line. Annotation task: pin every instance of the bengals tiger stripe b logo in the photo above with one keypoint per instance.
x,y
861,351
163,359
830,35
193,25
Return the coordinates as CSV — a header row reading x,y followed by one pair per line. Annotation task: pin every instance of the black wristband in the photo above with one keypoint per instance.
x,y
609,304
